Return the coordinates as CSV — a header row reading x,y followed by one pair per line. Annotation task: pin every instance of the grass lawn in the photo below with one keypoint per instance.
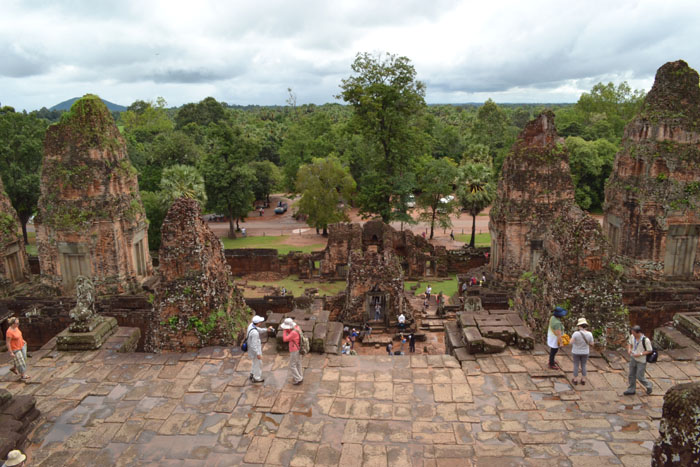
x,y
277,242
448,286
296,286
482,239
31,246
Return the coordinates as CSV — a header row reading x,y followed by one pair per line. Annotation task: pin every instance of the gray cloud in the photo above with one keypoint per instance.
x,y
245,52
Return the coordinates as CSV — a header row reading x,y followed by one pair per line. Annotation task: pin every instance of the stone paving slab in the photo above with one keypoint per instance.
x,y
423,410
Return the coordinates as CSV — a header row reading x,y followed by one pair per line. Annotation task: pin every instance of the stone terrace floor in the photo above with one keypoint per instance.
x,y
101,408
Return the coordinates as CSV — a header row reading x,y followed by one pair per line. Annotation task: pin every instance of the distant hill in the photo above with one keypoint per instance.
x,y
65,105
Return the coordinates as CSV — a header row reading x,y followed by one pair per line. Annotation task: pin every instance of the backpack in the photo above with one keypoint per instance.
x,y
244,345
654,355
304,344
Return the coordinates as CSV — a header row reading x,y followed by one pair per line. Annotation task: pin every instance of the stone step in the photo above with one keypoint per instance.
x,y
688,324
668,337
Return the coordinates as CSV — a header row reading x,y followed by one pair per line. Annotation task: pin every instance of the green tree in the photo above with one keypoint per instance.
x,y
388,106
156,208
436,179
591,163
267,177
476,190
21,151
308,137
206,111
326,187
143,120
182,181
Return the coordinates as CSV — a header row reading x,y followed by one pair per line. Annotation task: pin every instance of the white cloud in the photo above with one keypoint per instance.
x,y
251,52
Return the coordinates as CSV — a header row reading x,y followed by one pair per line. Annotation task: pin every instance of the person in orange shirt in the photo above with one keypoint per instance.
x,y
17,348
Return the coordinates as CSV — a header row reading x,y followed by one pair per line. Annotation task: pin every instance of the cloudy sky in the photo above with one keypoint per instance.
x,y
250,52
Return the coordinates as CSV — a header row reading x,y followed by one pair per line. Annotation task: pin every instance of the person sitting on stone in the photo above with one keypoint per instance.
x,y
402,322
346,347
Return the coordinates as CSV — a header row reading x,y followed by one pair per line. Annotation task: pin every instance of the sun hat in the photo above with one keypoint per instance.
x,y
288,324
581,322
258,319
559,312
15,458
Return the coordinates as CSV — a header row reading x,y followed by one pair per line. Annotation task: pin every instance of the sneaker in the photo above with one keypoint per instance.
x,y
258,380
628,393
554,367
649,390
296,383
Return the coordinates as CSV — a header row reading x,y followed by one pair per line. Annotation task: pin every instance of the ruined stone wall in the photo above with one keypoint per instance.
x,y
90,217
652,199
374,272
679,430
43,318
417,256
14,264
252,260
534,188
196,301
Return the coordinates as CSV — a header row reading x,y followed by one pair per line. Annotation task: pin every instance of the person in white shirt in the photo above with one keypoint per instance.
x,y
254,336
428,291
638,347
402,321
581,342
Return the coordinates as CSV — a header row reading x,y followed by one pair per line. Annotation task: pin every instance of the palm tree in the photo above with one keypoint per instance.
x,y
182,181
475,190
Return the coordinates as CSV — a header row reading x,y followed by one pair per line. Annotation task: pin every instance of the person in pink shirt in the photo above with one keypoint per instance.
x,y
292,334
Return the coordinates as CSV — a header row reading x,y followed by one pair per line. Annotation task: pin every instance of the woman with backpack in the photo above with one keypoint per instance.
x,y
581,342
292,334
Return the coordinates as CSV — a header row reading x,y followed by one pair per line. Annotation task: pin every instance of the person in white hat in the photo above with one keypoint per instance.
x,y
15,458
292,334
581,342
253,337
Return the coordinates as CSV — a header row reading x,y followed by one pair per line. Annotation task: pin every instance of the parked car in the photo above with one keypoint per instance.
x,y
281,208
213,217
411,203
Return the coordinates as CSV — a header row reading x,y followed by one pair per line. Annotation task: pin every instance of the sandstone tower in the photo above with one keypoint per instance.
x,y
14,265
91,221
652,199
535,186
196,302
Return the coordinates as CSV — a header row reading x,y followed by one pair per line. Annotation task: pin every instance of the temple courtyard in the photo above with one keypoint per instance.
x,y
109,408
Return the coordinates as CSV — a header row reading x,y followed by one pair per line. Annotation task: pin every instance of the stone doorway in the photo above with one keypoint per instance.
x,y
373,299
12,264
681,250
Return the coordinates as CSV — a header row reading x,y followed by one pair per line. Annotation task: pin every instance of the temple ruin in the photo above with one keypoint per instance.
x,y
417,257
652,199
14,265
535,187
196,301
90,218
540,238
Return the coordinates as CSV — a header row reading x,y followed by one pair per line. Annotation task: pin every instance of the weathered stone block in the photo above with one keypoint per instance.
x,y
334,337
504,333
493,345
473,340
689,324
67,340
466,319
318,340
524,338
679,430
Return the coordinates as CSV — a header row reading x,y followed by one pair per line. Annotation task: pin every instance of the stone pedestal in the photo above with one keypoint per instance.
x,y
93,340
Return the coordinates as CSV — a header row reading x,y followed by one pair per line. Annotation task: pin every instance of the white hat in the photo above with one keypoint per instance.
x,y
581,322
15,458
258,319
288,324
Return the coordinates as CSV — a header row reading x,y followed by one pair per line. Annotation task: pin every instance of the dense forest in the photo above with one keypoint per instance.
x,y
381,148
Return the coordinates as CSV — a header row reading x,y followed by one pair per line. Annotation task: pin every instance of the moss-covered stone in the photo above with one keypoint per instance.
x,y
679,431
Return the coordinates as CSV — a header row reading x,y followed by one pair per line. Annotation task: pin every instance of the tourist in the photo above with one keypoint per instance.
x,y
554,332
15,458
292,334
425,305
452,235
638,347
412,343
581,342
377,312
402,321
428,291
243,233
284,291
366,330
474,282
261,211
353,338
346,347
254,340
389,348
483,280
403,342
17,348
465,286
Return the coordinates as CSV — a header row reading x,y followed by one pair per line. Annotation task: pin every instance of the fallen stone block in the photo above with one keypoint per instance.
x,y
680,427
504,333
318,340
474,342
493,345
462,355
523,338
466,319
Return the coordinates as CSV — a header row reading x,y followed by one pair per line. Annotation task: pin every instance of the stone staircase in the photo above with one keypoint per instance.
x,y
681,340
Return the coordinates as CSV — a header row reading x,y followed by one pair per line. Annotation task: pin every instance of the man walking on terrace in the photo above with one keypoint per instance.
x,y
292,334
638,347
253,338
